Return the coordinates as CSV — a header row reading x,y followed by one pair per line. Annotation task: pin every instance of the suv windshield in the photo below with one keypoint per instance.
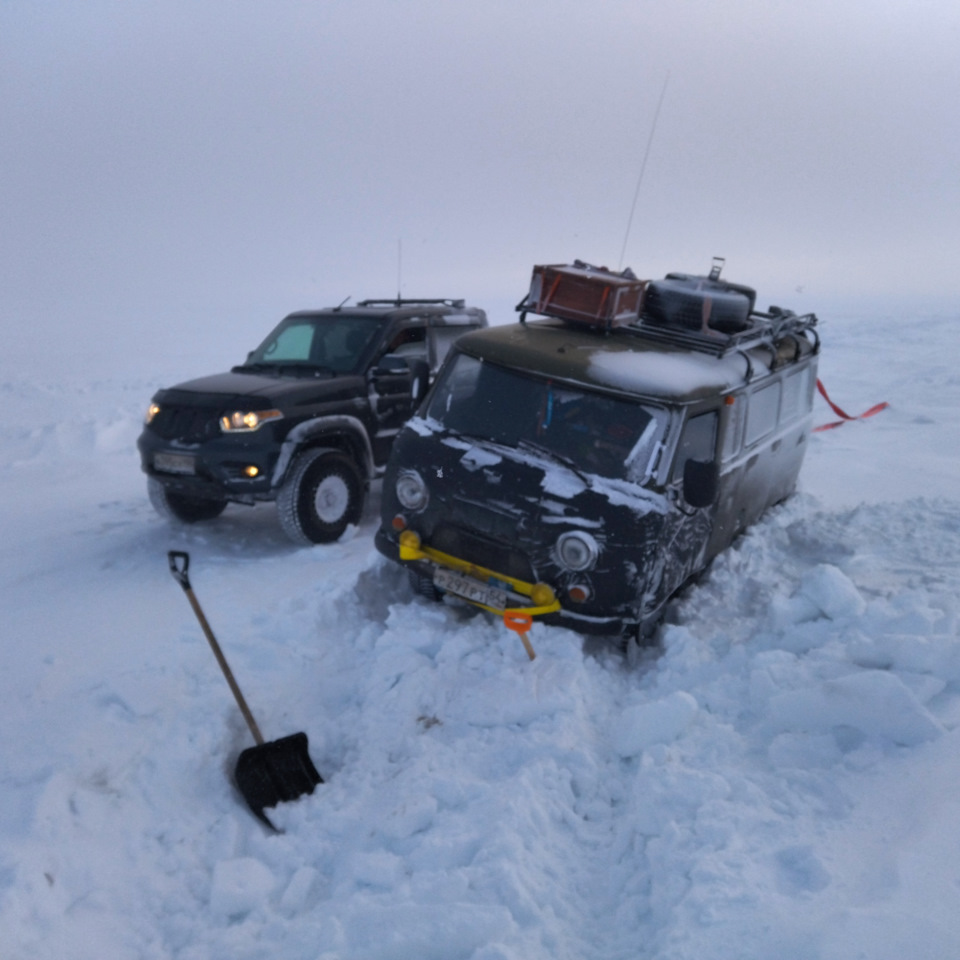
x,y
334,343
595,432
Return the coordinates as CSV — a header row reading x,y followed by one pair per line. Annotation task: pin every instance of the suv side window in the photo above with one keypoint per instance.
x,y
443,338
410,342
697,442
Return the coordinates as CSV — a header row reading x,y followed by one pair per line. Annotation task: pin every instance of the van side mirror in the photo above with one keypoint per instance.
x,y
701,482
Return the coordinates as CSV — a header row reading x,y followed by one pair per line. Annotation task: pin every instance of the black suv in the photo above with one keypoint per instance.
x,y
307,421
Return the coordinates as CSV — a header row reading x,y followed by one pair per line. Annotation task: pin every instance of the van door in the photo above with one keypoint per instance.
x,y
687,531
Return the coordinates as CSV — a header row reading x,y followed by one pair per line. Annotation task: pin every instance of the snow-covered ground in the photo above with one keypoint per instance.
x,y
781,780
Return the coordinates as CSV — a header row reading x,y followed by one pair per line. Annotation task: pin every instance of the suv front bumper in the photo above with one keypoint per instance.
x,y
218,469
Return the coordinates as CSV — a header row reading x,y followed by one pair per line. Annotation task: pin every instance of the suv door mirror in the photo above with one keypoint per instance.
x,y
391,365
701,482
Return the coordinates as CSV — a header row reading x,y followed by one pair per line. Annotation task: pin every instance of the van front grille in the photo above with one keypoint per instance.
x,y
469,546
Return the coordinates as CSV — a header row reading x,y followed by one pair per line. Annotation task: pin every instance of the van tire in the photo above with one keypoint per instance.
x,y
423,585
181,507
322,496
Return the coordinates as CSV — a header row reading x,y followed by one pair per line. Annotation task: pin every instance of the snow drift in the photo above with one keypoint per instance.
x,y
780,779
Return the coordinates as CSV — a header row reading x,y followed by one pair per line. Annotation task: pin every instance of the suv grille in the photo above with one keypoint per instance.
x,y
466,545
187,423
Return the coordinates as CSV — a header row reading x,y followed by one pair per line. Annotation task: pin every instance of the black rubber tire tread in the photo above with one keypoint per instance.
x,y
178,506
423,586
296,507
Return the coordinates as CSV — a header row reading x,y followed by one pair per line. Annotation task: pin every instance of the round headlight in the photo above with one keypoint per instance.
x,y
577,551
412,491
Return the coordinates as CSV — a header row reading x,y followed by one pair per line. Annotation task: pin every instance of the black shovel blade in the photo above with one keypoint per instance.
x,y
275,772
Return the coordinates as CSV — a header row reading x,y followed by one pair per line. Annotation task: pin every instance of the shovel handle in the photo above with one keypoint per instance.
x,y
179,563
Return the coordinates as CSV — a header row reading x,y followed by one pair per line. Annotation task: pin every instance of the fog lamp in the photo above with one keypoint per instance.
x,y
579,593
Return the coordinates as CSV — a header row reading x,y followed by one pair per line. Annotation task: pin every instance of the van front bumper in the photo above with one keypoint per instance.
x,y
488,589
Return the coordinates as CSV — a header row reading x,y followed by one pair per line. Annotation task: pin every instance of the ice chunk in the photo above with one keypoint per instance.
x,y
239,886
829,589
875,702
647,724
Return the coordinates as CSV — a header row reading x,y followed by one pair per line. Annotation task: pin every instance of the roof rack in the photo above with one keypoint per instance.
x,y
398,302
763,328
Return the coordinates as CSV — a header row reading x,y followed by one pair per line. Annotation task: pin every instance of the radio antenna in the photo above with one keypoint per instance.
x,y
643,167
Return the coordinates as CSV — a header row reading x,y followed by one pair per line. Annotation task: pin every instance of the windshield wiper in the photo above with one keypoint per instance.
x,y
553,455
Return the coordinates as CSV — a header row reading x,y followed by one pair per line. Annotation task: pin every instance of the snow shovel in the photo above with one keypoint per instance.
x,y
271,772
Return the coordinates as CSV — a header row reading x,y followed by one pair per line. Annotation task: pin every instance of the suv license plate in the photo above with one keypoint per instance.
x,y
174,463
471,589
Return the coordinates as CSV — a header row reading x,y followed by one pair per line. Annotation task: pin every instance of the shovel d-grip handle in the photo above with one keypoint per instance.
x,y
179,564
520,622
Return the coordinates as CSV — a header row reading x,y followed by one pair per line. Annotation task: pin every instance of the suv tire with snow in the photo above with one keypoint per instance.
x,y
178,506
321,498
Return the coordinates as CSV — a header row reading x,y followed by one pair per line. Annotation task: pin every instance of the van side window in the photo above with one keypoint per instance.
x,y
697,442
794,394
763,411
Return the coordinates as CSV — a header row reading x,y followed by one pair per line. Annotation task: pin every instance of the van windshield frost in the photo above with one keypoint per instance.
x,y
597,433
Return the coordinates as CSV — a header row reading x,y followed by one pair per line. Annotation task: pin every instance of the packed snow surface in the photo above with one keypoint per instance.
x,y
780,778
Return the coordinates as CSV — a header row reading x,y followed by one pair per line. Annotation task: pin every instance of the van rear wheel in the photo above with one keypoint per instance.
x,y
321,498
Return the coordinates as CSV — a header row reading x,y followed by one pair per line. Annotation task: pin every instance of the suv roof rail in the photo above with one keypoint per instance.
x,y
398,302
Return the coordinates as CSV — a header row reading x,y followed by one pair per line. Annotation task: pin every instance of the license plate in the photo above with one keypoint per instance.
x,y
471,589
174,463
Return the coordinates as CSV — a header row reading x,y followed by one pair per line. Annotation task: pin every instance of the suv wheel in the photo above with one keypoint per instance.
x,y
321,498
179,506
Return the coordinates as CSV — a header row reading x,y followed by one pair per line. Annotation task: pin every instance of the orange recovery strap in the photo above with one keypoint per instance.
x,y
841,413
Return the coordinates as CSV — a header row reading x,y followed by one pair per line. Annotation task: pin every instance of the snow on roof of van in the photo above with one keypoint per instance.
x,y
619,361
676,374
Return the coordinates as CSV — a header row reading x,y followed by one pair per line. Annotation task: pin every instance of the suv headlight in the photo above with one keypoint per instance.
x,y
412,492
577,551
246,421
152,411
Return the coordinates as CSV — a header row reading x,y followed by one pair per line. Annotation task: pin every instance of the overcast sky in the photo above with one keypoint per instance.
x,y
180,163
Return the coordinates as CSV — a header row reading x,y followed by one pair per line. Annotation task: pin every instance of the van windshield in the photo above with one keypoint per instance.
x,y
596,432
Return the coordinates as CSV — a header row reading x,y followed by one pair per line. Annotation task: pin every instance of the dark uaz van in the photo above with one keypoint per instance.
x,y
583,467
